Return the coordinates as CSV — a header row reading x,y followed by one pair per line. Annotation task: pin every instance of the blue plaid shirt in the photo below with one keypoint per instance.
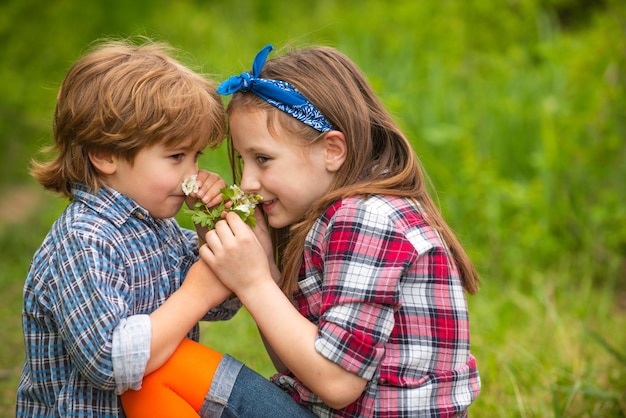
x,y
105,265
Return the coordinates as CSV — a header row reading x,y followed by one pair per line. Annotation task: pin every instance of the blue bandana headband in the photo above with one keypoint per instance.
x,y
278,93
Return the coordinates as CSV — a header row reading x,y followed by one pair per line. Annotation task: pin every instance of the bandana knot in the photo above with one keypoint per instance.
x,y
246,80
279,94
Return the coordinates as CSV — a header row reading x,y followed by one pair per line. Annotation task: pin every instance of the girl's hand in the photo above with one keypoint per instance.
x,y
262,233
235,254
237,257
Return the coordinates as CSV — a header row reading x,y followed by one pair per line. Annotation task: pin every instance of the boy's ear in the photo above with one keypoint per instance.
x,y
335,150
104,163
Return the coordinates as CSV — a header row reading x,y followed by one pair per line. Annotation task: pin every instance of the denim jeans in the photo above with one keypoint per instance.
x,y
239,392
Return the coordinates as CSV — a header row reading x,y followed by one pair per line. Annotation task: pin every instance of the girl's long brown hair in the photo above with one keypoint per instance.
x,y
380,159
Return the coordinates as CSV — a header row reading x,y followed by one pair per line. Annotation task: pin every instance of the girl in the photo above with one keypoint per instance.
x,y
367,316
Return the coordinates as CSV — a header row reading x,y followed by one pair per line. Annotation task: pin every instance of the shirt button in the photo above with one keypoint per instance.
x,y
139,215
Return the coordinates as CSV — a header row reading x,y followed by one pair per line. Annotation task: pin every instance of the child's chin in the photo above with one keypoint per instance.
x,y
164,214
277,223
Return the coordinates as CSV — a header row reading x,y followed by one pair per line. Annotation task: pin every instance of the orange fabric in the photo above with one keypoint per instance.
x,y
178,388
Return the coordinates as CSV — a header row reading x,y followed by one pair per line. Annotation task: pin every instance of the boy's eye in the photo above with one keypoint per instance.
x,y
198,155
261,159
177,156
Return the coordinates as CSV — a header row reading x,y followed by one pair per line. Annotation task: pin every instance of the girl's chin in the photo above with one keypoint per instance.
x,y
275,222
279,222
277,216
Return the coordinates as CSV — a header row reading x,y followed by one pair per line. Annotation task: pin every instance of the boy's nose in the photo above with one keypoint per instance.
x,y
192,169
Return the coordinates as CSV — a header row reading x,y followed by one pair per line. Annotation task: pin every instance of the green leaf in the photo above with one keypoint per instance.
x,y
204,216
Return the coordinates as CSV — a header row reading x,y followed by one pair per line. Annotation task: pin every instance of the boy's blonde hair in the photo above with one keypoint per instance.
x,y
122,97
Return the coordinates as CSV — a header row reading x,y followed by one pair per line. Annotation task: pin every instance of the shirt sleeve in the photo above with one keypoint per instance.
x,y
362,258
190,238
131,352
89,300
224,311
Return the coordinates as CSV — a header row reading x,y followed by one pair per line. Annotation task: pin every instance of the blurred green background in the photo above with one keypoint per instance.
x,y
517,109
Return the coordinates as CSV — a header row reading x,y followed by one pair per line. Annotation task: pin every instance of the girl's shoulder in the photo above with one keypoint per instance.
x,y
382,204
393,210
392,217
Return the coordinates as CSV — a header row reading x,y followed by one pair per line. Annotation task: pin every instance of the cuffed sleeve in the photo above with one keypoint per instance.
x,y
131,352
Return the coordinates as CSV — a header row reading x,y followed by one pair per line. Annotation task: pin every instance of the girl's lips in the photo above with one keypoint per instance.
x,y
268,204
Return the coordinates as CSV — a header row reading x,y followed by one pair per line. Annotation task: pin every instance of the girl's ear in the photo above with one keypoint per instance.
x,y
335,150
104,163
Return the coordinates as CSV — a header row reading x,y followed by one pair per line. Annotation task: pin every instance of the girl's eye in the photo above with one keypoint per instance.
x,y
261,159
177,157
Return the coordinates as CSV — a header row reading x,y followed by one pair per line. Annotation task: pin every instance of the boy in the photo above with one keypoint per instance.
x,y
116,286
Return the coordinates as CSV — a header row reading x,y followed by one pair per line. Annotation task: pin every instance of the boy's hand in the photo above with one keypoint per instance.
x,y
209,189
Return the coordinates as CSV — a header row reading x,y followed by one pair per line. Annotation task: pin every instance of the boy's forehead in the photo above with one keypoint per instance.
x,y
187,143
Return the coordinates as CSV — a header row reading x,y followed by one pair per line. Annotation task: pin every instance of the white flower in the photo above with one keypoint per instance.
x,y
239,194
245,208
243,203
190,185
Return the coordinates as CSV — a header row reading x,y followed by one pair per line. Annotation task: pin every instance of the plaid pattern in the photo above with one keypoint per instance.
x,y
390,307
104,260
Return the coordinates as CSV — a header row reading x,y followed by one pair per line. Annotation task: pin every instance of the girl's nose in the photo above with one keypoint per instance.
x,y
249,182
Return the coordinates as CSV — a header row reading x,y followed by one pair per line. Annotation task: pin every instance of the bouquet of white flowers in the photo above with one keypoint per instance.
x,y
243,204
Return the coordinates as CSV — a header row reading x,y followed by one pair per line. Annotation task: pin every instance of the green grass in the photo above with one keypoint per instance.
x,y
18,242
540,352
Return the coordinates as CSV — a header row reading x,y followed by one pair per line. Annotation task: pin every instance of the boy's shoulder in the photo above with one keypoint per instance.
x,y
103,214
107,206
79,218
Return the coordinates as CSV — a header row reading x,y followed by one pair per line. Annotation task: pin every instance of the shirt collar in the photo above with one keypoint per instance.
x,y
109,204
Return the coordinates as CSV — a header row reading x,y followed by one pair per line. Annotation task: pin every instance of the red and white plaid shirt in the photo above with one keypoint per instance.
x,y
390,307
